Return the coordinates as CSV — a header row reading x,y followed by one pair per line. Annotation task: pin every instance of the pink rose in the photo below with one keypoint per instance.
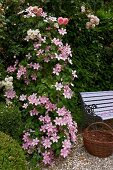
x,y
65,21
88,25
60,20
34,9
39,12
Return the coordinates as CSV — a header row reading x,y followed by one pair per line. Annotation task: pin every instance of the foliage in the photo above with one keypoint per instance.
x,y
92,49
10,120
42,84
11,154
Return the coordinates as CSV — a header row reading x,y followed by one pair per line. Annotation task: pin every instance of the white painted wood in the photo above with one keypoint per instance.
x,y
105,115
99,93
103,109
104,105
97,98
99,102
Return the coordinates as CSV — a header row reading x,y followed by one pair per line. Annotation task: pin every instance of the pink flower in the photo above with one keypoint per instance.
x,y
57,42
62,31
65,21
66,144
50,107
34,77
21,71
59,121
41,118
47,119
43,99
39,52
61,111
46,143
68,119
26,136
10,94
55,138
64,152
25,146
73,137
43,128
60,20
57,69
50,127
25,105
34,112
35,142
39,12
11,69
67,92
37,46
33,99
46,157
36,66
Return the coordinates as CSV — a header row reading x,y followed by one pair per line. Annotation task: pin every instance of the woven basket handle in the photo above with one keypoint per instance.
x,y
100,123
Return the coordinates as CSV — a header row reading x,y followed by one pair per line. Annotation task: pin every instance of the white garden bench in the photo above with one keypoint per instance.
x,y
98,103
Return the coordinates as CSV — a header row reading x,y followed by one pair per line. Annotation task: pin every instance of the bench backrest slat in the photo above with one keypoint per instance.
x,y
105,115
103,101
98,93
103,109
93,98
99,102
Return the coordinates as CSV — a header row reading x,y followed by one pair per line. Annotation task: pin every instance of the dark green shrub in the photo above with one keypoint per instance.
x,y
10,120
11,154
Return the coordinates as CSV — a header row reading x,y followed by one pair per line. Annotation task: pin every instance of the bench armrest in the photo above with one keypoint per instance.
x,y
89,109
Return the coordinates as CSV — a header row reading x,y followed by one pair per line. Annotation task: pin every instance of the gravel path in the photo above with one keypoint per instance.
x,y
79,159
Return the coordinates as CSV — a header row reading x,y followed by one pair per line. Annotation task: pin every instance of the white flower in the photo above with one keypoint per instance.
x,y
8,85
8,102
36,32
56,25
9,79
70,61
74,73
22,97
52,18
58,86
83,9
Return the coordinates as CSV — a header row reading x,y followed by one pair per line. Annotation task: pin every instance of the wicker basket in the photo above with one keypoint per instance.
x,y
98,139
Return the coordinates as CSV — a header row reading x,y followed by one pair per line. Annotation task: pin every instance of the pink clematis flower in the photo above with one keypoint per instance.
x,y
46,143
10,94
64,152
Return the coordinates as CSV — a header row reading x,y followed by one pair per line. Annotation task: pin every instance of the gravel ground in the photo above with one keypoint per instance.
x,y
79,159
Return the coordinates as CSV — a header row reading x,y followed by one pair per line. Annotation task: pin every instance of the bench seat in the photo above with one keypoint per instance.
x,y
98,103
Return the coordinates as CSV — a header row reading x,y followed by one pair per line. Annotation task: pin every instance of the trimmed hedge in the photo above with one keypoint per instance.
x,y
11,154
10,120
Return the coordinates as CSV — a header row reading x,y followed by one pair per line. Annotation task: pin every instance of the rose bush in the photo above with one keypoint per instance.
x,y
41,85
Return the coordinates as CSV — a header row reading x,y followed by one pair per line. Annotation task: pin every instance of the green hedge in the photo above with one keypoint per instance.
x,y
10,121
11,154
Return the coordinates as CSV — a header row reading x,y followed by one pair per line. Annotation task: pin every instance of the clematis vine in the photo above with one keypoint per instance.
x,y
42,85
